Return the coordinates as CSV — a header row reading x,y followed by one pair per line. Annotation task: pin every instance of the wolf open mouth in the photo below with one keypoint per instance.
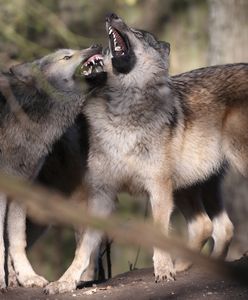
x,y
122,54
119,43
93,64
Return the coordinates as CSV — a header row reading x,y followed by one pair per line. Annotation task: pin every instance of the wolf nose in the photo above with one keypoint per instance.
x,y
111,16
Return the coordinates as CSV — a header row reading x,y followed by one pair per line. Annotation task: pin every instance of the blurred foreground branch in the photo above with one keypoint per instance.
x,y
46,206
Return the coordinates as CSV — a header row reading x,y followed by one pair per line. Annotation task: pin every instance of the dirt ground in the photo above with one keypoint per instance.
x,y
139,284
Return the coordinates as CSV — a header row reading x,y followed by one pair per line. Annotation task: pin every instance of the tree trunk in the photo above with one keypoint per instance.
x,y
228,31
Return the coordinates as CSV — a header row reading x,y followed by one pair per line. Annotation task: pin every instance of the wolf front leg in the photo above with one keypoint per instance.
x,y
100,204
90,273
162,205
12,278
3,202
85,247
17,245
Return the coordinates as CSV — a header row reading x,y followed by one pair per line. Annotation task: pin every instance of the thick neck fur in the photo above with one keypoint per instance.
x,y
26,141
136,104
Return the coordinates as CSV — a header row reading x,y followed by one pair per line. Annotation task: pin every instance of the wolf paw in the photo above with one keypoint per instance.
x,y
163,267
60,287
12,281
182,265
165,275
33,281
3,287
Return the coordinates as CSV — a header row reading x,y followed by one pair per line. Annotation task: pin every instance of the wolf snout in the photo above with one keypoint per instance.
x,y
92,50
111,16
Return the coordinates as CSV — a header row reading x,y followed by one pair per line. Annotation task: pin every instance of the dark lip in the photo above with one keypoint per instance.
x,y
123,36
92,52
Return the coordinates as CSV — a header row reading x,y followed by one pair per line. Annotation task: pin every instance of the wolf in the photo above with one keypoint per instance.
x,y
39,101
153,134
62,170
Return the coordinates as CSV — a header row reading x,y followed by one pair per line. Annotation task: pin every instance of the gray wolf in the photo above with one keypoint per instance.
x,y
38,102
150,134
62,170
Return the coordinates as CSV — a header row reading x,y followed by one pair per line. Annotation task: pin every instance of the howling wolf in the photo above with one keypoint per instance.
x,y
150,134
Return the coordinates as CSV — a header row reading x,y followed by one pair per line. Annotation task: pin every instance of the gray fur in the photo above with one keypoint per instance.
x,y
120,152
24,145
38,102
148,136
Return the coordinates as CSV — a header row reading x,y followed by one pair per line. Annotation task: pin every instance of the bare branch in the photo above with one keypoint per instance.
x,y
46,206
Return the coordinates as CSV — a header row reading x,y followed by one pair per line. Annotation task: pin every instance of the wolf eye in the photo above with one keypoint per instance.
x,y
137,33
67,57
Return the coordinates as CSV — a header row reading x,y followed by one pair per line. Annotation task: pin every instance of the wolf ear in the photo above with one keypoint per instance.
x,y
23,72
164,48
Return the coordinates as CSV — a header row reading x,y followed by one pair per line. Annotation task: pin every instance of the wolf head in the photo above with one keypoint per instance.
x,y
62,69
134,55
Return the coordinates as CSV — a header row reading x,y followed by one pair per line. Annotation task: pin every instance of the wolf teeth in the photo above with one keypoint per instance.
x,y
93,66
85,73
110,30
98,69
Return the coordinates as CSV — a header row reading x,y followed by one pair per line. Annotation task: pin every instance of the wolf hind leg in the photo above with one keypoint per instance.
x,y
200,226
222,235
222,225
